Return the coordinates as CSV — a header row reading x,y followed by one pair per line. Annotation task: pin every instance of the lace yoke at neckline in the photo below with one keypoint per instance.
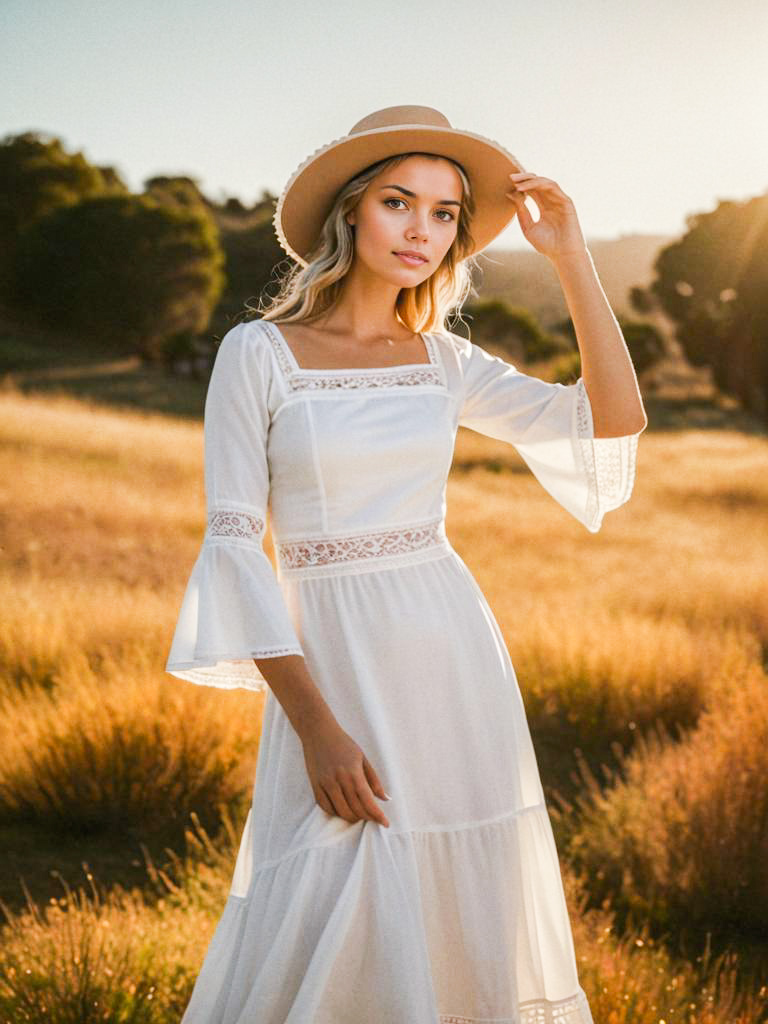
x,y
301,379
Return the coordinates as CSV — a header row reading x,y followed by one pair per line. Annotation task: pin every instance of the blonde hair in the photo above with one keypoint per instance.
x,y
306,293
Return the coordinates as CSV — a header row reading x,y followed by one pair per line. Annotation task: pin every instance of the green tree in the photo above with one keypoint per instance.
x,y
253,258
644,342
516,331
38,176
177,190
128,269
713,283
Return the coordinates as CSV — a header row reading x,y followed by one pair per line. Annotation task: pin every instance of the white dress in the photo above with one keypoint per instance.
x,y
455,914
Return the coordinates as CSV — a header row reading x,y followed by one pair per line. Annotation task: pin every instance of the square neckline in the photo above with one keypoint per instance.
x,y
297,368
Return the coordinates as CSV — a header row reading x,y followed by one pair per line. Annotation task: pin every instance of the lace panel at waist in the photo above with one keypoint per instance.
x,y
363,552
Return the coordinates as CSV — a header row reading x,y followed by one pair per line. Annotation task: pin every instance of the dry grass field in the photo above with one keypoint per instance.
x,y
641,651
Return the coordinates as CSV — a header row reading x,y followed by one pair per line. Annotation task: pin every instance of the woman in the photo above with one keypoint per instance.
x,y
397,865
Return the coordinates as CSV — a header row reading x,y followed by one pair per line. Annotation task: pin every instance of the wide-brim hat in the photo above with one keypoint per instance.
x,y
309,193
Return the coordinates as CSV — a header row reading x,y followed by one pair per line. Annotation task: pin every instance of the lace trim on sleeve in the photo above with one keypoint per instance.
x,y
609,462
236,673
233,522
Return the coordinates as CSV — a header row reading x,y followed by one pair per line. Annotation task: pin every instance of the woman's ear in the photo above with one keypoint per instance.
x,y
350,218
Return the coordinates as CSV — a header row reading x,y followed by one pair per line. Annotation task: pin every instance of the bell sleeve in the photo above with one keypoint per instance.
x,y
551,426
233,608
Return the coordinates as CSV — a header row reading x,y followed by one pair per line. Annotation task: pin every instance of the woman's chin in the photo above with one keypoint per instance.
x,y
406,277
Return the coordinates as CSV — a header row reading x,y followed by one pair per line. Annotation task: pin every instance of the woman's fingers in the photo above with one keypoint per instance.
x,y
339,799
523,213
324,801
373,788
349,785
547,192
528,179
343,780
374,780
361,799
368,799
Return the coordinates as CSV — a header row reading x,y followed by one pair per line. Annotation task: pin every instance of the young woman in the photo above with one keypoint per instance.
x,y
397,865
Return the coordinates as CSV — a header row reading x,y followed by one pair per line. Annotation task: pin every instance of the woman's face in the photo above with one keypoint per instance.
x,y
411,207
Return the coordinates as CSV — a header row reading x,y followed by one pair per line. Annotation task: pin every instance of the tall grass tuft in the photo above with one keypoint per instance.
x,y
44,620
590,688
97,957
124,749
680,837
70,964
631,978
100,955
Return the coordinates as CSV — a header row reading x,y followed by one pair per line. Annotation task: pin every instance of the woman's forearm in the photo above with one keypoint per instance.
x,y
289,679
606,366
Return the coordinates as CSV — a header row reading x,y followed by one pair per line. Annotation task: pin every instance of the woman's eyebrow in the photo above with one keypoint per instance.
x,y
441,202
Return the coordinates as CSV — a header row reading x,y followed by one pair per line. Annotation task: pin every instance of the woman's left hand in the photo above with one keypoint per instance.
x,y
557,232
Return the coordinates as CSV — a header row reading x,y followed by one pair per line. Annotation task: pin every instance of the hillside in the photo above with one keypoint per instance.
x,y
526,278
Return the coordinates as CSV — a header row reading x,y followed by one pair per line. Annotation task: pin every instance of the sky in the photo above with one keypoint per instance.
x,y
643,113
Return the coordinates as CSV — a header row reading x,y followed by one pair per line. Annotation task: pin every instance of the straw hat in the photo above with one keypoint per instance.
x,y
309,194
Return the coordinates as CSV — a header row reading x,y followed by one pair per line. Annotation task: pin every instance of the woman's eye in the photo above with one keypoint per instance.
x,y
395,199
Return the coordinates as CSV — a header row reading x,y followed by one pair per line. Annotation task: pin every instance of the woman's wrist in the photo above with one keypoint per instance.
x,y
304,705
583,253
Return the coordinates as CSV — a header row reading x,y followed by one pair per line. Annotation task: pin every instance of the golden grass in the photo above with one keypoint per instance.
x,y
690,544
45,620
123,748
99,958
654,620
631,978
99,954
641,622
681,837
95,955
91,493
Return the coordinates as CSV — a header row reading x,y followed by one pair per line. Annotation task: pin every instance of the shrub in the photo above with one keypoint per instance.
x,y
680,838
596,688
96,956
633,979
124,749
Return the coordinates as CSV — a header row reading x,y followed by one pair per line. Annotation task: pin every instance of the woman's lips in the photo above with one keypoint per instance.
x,y
412,261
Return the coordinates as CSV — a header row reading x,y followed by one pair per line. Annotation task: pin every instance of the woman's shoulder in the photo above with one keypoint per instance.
x,y
250,336
454,345
244,349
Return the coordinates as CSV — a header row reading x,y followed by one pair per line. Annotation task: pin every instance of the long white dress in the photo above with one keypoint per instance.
x,y
455,914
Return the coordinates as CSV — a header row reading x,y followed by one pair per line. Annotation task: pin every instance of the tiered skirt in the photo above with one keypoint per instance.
x,y
455,913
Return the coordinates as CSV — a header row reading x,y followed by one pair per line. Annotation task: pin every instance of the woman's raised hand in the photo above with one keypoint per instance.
x,y
342,778
557,232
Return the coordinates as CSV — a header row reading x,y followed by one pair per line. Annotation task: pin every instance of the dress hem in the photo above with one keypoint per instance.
x,y
572,1010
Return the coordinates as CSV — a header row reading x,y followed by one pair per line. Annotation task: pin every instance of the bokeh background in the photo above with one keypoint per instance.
x,y
143,148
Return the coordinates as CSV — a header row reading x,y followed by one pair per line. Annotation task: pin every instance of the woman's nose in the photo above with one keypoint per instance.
x,y
418,230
